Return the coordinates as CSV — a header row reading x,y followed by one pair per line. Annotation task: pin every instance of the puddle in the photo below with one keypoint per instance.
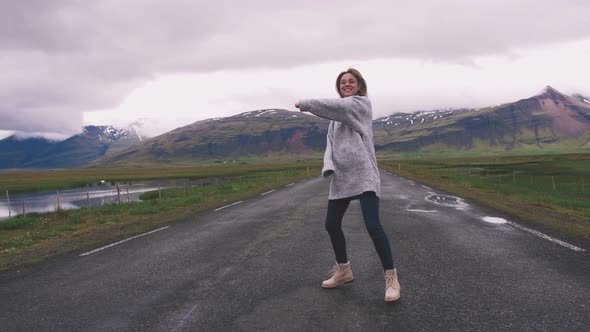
x,y
423,211
495,220
451,201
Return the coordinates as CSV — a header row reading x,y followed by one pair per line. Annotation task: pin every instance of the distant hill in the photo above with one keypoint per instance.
x,y
92,143
549,120
260,133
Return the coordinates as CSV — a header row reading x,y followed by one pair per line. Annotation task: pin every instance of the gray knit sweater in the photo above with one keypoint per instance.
x,y
350,151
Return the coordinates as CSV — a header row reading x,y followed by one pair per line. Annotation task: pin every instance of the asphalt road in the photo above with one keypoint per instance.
x,y
258,265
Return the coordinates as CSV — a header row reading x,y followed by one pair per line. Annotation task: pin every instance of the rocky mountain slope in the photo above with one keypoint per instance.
x,y
261,133
547,120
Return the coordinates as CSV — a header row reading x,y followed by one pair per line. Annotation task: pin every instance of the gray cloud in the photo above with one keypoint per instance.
x,y
61,58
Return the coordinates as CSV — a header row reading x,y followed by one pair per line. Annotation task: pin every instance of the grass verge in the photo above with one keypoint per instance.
x,y
36,237
551,191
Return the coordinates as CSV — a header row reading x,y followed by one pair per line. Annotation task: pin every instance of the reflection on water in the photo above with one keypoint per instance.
x,y
93,196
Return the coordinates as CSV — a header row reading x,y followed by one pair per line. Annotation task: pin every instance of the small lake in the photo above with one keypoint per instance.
x,y
96,195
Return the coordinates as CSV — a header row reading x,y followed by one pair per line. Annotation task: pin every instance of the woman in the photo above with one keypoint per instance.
x,y
350,160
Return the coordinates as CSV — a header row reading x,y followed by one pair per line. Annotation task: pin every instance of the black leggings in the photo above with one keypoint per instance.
x,y
370,207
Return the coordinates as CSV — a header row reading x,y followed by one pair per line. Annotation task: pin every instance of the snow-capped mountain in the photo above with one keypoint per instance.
x,y
419,117
548,119
92,143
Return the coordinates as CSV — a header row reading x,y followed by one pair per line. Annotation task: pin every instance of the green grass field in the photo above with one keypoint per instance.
x,y
32,238
549,190
26,181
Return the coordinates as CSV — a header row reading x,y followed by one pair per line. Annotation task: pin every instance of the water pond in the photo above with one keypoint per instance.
x,y
95,195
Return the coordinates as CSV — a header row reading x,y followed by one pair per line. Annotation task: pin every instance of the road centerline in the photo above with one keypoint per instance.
x,y
226,206
122,241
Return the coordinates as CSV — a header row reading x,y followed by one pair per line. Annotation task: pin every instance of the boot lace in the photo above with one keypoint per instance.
x,y
389,282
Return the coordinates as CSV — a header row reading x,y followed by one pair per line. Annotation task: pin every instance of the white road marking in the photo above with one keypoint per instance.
x,y
268,192
232,204
496,220
122,241
290,184
546,237
186,316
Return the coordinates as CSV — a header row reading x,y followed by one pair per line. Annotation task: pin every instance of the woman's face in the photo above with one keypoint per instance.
x,y
348,85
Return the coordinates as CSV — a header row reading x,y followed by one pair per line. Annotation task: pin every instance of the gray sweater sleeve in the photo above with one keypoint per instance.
x,y
355,111
329,168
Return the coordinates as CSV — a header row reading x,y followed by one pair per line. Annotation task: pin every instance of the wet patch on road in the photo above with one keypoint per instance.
x,y
495,220
446,200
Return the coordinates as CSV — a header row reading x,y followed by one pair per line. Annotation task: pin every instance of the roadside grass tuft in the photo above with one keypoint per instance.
x,y
17,222
21,241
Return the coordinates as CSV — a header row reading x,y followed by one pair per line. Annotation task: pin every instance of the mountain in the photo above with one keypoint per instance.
x,y
549,120
260,133
546,123
92,143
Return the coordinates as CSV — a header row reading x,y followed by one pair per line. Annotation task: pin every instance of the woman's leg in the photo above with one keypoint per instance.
x,y
370,207
336,210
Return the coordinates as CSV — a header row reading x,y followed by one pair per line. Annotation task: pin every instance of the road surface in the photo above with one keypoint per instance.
x,y
258,265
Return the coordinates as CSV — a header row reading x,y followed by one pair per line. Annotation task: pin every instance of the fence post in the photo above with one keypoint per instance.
x,y
159,193
118,194
127,195
24,212
513,178
87,200
57,196
8,200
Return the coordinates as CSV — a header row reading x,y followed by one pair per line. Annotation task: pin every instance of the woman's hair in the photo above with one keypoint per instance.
x,y
359,78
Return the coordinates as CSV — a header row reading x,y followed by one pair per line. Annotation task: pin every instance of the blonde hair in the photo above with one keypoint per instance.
x,y
359,78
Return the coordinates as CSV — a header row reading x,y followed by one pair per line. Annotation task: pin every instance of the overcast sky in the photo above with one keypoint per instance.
x,y
69,63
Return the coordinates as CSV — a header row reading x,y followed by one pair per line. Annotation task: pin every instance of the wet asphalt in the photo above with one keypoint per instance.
x,y
258,265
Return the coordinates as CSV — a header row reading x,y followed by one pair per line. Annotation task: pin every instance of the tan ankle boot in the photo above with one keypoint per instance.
x,y
392,288
341,273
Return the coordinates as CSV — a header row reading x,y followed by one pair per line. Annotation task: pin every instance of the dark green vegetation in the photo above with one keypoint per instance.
x,y
552,191
35,237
